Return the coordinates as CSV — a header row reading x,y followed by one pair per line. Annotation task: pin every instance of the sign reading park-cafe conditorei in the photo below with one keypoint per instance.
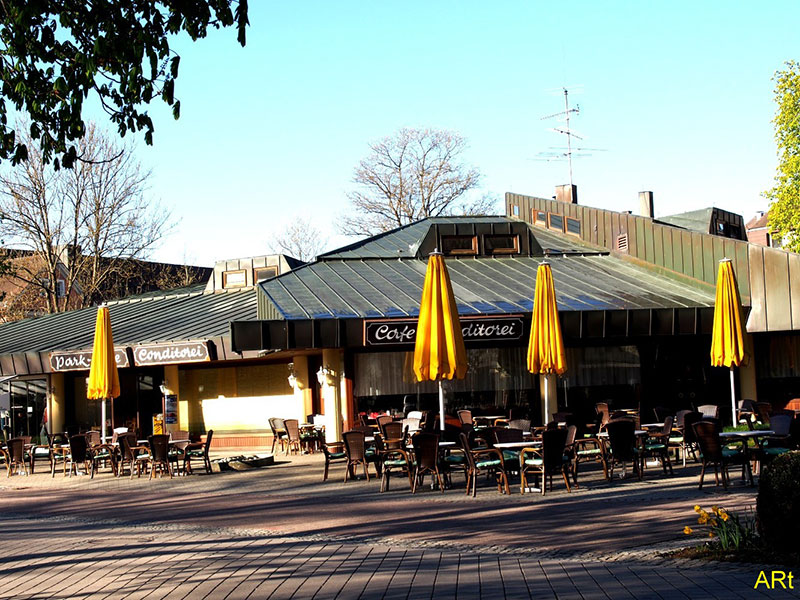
x,y
142,355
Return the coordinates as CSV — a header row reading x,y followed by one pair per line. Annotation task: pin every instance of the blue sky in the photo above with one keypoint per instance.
x,y
678,95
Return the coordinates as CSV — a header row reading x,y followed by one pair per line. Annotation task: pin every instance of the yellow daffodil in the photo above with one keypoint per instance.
x,y
713,522
711,535
702,520
723,515
687,530
697,508
715,509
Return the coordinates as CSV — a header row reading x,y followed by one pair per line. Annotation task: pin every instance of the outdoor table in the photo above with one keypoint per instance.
x,y
755,433
517,445
653,425
638,432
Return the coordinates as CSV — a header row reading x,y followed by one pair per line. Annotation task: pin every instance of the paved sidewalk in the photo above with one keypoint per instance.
x,y
49,558
280,532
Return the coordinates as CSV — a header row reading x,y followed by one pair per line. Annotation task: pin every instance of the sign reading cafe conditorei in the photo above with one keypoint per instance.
x,y
81,360
178,352
474,329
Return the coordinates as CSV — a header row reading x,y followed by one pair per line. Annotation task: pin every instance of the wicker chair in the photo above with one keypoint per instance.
x,y
709,411
510,457
15,456
426,459
523,424
355,448
334,453
198,451
622,446
394,435
657,445
292,435
159,459
465,417
689,441
545,461
589,449
396,460
130,454
79,453
381,421
764,412
278,431
713,452
488,460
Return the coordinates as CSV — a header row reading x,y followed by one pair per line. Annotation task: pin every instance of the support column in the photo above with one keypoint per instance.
x,y
56,406
303,400
333,391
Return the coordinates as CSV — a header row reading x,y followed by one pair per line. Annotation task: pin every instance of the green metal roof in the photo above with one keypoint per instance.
x,y
182,314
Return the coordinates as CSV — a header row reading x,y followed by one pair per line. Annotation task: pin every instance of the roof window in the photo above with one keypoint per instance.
x,y
460,244
501,243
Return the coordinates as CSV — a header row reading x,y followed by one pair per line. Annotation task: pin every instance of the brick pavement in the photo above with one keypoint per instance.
x,y
281,533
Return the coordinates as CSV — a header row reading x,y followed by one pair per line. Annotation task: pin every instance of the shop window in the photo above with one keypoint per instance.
x,y
555,221
501,244
460,244
264,273
573,226
234,279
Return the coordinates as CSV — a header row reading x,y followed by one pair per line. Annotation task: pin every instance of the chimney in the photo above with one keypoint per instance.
x,y
567,193
646,204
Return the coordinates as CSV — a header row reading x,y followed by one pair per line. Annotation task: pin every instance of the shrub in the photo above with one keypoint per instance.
x,y
778,503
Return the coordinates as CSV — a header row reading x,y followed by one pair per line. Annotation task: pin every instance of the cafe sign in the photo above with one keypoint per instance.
x,y
177,352
393,332
81,360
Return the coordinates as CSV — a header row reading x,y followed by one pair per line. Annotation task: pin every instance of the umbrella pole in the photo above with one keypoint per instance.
x,y
546,399
733,400
103,420
441,407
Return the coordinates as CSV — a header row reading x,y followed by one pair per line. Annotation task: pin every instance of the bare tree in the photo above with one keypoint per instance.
x,y
299,239
80,224
416,173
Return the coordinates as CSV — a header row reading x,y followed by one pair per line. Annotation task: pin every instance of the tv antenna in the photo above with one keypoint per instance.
x,y
566,131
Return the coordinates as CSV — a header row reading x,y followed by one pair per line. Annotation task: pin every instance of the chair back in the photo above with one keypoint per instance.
x,y
572,433
292,429
280,425
382,420
411,424
426,450
689,419
764,410
490,435
622,438
523,424
780,424
54,439
159,446
414,414
554,441
709,410
207,444
707,435
179,435
126,443
679,416
465,416
393,430
667,428
78,447
466,446
16,449
93,438
272,428
506,434
354,444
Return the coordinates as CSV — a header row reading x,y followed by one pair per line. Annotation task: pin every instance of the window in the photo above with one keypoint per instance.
x,y
61,288
573,226
264,273
540,218
515,210
501,244
556,221
460,244
234,279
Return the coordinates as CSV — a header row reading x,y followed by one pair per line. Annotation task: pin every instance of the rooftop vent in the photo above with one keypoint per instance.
x,y
622,243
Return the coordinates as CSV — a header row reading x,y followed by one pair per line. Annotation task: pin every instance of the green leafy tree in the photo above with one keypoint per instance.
x,y
55,53
784,210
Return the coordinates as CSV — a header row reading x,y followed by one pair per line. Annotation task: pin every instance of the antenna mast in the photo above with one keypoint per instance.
x,y
566,130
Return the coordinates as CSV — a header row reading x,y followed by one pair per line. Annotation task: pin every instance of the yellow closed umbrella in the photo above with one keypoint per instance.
x,y
439,351
103,374
546,345
727,339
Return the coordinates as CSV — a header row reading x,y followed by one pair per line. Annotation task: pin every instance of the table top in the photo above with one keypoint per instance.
x,y
516,445
654,425
489,417
746,434
639,432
